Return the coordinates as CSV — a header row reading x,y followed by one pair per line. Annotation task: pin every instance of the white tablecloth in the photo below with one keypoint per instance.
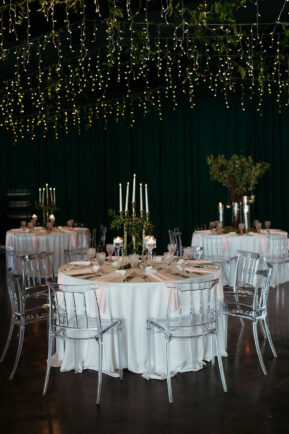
x,y
134,303
251,243
42,240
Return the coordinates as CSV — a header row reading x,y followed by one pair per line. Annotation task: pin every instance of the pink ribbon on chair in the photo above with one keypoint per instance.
x,y
73,239
224,244
196,240
101,298
35,241
174,300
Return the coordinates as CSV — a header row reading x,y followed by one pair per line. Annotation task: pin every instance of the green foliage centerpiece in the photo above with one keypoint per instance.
x,y
135,227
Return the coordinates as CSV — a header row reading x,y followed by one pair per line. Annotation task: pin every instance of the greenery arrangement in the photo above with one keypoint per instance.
x,y
151,51
239,174
135,226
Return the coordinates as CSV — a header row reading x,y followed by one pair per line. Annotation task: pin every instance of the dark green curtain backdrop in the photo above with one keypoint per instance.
x,y
169,155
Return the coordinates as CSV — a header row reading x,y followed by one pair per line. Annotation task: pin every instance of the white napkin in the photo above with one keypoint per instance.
x,y
122,272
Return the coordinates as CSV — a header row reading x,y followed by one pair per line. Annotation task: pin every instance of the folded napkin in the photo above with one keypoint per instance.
x,y
79,271
83,263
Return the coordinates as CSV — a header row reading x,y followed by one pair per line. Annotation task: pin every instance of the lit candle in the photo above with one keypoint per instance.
x,y
246,216
50,194
39,196
146,197
133,188
46,186
43,191
120,197
221,212
126,198
140,198
54,195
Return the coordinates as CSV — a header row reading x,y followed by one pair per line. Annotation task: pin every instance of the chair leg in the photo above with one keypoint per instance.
x,y
263,330
169,384
10,333
76,357
220,363
255,333
148,362
19,349
119,351
100,350
269,337
50,348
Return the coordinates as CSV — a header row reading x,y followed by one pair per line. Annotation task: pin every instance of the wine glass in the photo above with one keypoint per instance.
x,y
101,257
188,253
133,260
241,227
267,225
91,254
255,223
169,257
23,225
110,250
258,227
172,248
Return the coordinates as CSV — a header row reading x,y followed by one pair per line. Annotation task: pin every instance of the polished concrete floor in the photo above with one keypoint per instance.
x,y
253,404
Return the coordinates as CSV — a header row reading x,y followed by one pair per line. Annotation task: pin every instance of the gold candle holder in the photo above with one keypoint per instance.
x,y
147,216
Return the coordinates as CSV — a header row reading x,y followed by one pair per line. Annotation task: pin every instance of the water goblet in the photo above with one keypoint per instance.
x,y
256,222
110,250
241,227
91,254
101,257
172,248
188,253
168,258
133,260
258,227
23,225
267,225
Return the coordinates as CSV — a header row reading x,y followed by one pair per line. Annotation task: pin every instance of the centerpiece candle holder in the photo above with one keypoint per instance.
x,y
47,204
134,224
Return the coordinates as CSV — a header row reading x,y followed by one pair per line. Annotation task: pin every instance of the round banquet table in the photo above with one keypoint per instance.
x,y
134,302
253,242
39,239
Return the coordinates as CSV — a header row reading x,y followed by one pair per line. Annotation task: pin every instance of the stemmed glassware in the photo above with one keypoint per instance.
x,y
188,253
259,227
23,225
267,225
133,260
91,254
101,257
241,227
169,257
172,248
118,244
151,244
110,250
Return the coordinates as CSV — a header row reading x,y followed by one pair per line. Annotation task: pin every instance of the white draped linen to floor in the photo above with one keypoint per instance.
x,y
134,303
253,242
40,240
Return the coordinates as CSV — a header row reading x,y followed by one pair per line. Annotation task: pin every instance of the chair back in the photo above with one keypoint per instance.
x,y
215,246
262,296
83,239
175,237
76,254
99,242
74,307
198,252
197,302
246,267
276,246
14,287
36,269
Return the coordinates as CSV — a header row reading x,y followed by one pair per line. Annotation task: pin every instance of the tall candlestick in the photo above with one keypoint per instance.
x,y
54,195
43,191
140,198
133,188
46,186
120,197
126,198
146,197
39,195
50,194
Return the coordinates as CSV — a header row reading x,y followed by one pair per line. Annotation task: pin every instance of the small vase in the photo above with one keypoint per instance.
x,y
235,214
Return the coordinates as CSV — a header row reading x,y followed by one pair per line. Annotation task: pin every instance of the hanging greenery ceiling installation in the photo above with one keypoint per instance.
x,y
93,59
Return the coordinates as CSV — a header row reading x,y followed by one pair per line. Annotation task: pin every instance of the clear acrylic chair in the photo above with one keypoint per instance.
x,y
74,316
83,239
99,242
26,243
195,317
276,252
75,254
216,249
175,237
198,252
251,305
24,310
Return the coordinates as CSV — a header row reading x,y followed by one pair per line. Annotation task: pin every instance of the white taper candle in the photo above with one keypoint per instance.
x,y
54,195
146,197
126,198
140,198
133,188
120,197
